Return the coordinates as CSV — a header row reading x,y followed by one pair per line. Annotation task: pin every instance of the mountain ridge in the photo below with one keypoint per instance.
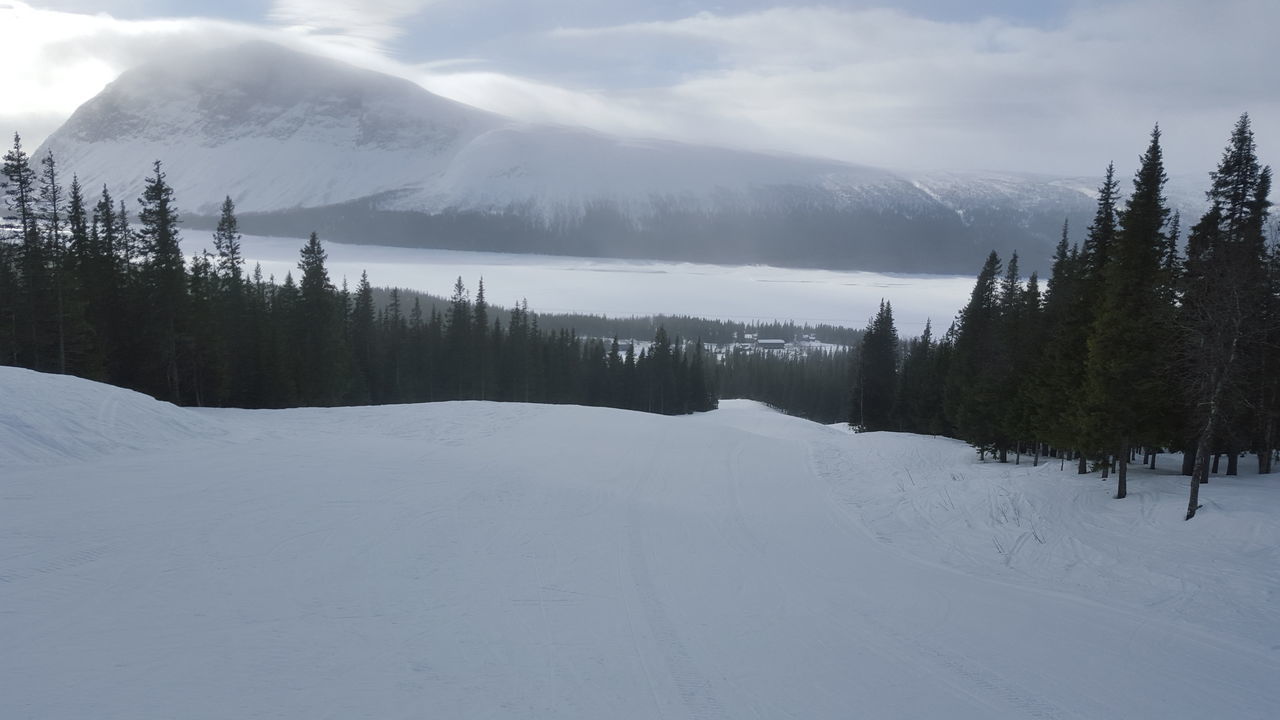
x,y
304,143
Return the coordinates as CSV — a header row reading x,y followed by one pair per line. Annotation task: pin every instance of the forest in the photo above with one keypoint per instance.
x,y
1138,343
86,291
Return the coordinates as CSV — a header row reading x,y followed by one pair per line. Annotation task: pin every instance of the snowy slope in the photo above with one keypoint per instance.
x,y
484,560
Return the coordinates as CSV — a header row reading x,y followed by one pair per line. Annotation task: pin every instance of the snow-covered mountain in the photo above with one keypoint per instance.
x,y
305,143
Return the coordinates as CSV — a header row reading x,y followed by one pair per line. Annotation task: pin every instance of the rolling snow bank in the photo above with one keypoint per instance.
x,y
59,418
485,560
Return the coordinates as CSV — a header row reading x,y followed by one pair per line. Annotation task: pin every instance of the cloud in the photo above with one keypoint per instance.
x,y
370,24
57,60
889,88
868,85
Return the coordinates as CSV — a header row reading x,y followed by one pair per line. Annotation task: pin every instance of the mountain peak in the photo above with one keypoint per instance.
x,y
259,89
303,143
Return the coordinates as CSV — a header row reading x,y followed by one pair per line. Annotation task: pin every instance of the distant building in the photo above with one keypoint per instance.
x,y
764,344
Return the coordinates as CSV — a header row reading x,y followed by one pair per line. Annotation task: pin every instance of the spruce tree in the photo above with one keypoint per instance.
x,y
226,243
364,352
1124,387
52,217
317,329
877,374
974,384
458,329
1225,291
164,284
34,289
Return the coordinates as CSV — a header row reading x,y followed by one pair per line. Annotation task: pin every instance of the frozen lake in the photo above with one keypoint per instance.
x,y
553,283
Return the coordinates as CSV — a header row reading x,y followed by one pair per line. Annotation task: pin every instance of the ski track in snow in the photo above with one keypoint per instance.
x,y
483,560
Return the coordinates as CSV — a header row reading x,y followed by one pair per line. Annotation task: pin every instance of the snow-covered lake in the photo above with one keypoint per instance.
x,y
632,287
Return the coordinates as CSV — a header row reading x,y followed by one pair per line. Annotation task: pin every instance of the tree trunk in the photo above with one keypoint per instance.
x,y
1233,462
1106,467
1035,462
1082,465
1200,471
1265,452
1122,474
1216,458
1189,460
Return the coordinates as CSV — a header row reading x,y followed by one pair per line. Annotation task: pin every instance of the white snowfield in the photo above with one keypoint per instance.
x,y
625,288
479,560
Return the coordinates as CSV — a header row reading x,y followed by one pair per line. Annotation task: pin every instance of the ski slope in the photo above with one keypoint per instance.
x,y
480,560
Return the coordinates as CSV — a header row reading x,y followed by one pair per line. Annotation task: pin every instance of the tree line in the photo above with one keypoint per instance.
x,y
1137,343
86,290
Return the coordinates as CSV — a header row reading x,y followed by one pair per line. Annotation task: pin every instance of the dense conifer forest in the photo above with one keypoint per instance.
x,y
1139,342
86,290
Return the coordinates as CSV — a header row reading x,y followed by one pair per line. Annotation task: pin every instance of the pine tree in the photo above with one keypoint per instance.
x,y
226,243
877,374
34,289
1124,388
479,343
318,329
975,383
164,282
458,327
1102,232
52,216
364,351
1224,299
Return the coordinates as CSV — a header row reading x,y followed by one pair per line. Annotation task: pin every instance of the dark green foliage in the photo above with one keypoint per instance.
x,y
876,381
1227,293
1124,391
163,287
813,384
978,379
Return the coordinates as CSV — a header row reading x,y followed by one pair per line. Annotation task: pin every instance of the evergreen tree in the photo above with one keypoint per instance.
x,y
877,374
226,243
164,282
1124,388
52,216
1224,299
479,349
458,328
34,287
364,351
317,329
974,382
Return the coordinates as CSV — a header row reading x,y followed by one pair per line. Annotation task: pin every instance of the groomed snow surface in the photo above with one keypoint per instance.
x,y
479,560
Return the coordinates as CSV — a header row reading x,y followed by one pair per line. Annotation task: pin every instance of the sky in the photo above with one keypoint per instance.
x,y
1050,86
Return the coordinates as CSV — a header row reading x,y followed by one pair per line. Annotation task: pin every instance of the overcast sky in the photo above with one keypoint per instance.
x,y
1055,86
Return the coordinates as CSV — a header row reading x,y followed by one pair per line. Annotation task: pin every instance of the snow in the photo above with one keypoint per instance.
x,y
277,129
623,288
485,560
